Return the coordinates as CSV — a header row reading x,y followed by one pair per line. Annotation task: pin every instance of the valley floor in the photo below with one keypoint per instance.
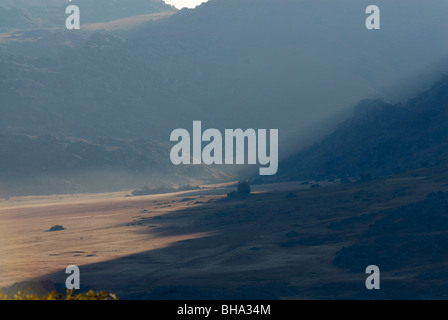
x,y
284,241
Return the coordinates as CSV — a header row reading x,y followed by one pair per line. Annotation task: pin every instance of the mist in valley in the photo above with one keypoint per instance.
x,y
79,101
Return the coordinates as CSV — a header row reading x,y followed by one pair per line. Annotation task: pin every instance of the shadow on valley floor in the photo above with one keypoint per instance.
x,y
298,244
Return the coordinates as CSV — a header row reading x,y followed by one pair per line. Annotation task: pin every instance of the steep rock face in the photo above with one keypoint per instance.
x,y
380,138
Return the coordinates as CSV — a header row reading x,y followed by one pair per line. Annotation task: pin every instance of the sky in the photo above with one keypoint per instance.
x,y
179,4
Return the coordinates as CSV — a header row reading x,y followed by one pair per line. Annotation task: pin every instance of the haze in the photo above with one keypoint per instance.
x,y
102,101
179,4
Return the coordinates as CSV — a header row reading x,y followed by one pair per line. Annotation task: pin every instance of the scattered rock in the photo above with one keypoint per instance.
x,y
56,228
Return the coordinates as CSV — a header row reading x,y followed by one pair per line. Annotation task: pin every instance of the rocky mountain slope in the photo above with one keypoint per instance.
x,y
380,139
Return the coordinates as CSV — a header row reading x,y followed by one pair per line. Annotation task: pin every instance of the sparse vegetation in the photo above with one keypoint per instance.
x,y
68,295
411,235
242,189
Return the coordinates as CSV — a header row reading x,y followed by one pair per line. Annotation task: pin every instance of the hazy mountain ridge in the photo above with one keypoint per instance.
x,y
14,18
379,139
51,13
222,60
231,64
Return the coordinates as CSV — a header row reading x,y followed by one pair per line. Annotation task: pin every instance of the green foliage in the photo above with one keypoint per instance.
x,y
69,295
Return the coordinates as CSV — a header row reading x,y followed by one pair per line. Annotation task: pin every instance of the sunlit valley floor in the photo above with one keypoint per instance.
x,y
286,240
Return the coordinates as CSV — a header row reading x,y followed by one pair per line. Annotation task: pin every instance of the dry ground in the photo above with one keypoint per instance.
x,y
198,244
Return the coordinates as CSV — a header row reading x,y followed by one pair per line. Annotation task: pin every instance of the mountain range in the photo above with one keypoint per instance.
x,y
288,65
25,14
380,139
